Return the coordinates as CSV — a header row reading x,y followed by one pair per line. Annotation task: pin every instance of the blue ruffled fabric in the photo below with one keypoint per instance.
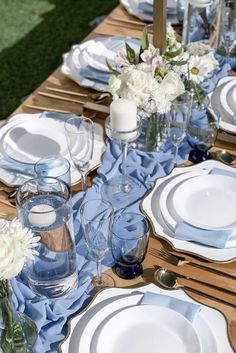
x,y
51,317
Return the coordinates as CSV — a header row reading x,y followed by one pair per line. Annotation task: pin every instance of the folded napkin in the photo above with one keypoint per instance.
x,y
94,74
96,56
187,309
215,238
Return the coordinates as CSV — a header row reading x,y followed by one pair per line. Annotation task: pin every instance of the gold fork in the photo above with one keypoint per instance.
x,y
180,261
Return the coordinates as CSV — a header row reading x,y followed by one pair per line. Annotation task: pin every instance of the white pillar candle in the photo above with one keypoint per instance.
x,y
123,115
42,215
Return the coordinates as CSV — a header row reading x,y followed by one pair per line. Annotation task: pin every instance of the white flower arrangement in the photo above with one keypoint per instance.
x,y
17,246
154,81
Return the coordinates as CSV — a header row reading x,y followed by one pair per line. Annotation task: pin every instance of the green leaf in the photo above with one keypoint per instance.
x,y
144,40
131,56
113,71
173,54
179,63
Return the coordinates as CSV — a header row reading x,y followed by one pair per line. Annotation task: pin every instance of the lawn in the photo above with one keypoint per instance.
x,y
33,36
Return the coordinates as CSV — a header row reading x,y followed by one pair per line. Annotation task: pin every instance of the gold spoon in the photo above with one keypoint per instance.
x,y
226,157
169,280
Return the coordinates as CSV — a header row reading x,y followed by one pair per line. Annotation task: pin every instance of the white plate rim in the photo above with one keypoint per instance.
x,y
15,179
223,96
161,230
217,320
224,125
31,122
178,203
136,311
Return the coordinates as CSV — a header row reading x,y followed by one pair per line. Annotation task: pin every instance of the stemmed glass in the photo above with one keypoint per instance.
x,y
178,117
96,219
228,30
80,141
202,129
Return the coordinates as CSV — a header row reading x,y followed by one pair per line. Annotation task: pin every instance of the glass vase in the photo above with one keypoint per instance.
x,y
18,333
154,131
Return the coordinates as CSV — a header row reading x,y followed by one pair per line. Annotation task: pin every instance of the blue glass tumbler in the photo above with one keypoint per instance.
x,y
129,244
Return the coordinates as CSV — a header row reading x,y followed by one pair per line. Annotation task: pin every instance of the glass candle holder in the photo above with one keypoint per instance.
x,y
44,206
121,190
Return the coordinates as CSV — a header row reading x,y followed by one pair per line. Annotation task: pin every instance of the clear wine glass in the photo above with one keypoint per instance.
x,y
80,141
178,117
228,29
96,219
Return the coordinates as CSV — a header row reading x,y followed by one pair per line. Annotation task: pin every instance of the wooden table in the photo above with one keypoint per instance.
x,y
117,24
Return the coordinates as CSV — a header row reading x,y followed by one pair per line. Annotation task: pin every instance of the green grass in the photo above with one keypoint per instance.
x,y
33,36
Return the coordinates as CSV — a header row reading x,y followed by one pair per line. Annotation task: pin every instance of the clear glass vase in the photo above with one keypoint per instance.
x,y
154,131
18,333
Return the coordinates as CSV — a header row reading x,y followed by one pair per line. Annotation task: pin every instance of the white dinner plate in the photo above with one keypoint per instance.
x,y
169,214
132,7
151,207
215,102
210,325
74,61
143,329
207,201
23,156
30,140
227,99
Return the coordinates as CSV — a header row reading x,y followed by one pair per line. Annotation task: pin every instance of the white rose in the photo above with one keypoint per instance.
x,y
135,85
172,85
11,257
114,85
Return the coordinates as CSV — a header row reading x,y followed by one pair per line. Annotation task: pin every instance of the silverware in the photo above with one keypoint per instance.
x,y
226,157
86,105
37,107
126,20
169,280
181,260
97,97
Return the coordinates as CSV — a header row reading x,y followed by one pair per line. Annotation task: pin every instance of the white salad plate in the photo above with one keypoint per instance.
x,y
227,99
134,8
209,325
152,208
226,122
169,213
141,331
92,55
28,137
202,201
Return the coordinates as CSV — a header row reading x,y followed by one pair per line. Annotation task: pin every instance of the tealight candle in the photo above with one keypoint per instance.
x,y
42,215
123,115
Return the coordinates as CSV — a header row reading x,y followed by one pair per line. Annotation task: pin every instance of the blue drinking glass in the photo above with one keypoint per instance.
x,y
129,244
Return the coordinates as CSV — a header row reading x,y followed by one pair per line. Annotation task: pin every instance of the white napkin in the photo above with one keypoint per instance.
x,y
187,309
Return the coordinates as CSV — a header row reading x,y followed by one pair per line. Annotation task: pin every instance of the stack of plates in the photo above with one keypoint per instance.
x,y
86,63
223,102
143,9
200,198
116,323
26,138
